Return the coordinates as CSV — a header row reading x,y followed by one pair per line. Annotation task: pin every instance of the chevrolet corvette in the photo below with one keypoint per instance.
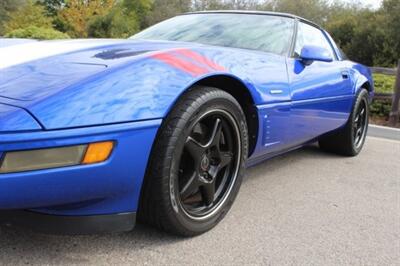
x,y
97,133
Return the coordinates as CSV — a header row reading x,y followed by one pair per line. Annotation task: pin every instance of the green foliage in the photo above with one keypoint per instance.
x,y
381,108
225,5
315,10
29,14
119,23
53,6
7,6
391,16
162,10
137,8
384,83
77,14
369,37
366,44
33,32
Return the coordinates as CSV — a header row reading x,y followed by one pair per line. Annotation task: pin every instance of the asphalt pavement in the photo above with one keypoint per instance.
x,y
304,208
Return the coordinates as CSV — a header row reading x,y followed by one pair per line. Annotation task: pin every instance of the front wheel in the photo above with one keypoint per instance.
x,y
197,163
350,139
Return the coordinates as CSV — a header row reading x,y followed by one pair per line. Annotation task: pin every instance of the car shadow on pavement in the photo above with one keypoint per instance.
x,y
15,241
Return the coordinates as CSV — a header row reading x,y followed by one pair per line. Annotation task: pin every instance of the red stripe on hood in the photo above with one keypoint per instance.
x,y
180,64
201,59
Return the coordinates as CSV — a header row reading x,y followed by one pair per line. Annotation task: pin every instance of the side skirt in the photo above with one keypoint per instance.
x,y
254,161
70,225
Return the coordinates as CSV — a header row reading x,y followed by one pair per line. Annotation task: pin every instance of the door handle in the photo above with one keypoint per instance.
x,y
276,91
345,74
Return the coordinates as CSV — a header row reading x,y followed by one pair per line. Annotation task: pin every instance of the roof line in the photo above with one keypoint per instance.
x,y
254,12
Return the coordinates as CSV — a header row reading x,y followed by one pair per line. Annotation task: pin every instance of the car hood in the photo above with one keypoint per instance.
x,y
75,83
14,119
33,70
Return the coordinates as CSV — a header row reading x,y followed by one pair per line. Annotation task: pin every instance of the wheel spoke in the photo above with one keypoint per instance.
x,y
216,134
194,148
190,187
359,124
362,112
213,171
359,131
206,171
226,158
208,193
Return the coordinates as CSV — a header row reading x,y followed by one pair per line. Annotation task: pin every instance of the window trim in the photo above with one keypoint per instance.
x,y
294,38
323,32
336,49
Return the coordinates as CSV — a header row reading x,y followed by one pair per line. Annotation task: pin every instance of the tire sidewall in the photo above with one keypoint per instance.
x,y
205,104
361,96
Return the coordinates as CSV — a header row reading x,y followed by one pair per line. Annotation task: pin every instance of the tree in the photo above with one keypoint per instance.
x,y
138,8
53,6
77,14
124,19
7,6
162,9
315,10
242,4
210,4
118,23
29,14
391,25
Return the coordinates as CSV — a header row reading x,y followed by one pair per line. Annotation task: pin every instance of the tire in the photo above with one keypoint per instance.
x,y
349,140
200,149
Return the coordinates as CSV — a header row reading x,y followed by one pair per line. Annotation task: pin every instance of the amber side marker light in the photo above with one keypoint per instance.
x,y
98,152
39,159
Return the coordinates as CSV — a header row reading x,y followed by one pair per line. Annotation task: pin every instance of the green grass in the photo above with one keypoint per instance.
x,y
384,83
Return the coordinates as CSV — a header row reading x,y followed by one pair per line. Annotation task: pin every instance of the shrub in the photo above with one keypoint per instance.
x,y
33,32
381,108
119,23
28,14
78,13
384,83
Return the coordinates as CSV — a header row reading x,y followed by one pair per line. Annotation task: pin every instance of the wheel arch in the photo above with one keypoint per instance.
x,y
362,79
366,85
370,89
241,93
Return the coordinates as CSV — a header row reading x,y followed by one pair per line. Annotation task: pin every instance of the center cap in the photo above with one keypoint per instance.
x,y
205,163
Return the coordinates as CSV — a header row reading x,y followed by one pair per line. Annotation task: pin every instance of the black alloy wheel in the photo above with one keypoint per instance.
x,y
196,164
209,164
360,124
349,140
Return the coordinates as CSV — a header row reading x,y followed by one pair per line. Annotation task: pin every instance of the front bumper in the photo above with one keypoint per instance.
x,y
111,187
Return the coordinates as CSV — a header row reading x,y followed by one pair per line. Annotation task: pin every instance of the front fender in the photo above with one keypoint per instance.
x,y
140,90
136,91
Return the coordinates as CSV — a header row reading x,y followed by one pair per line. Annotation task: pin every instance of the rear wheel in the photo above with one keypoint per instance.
x,y
350,139
197,163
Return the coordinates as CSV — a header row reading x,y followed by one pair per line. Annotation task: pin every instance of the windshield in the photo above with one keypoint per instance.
x,y
247,31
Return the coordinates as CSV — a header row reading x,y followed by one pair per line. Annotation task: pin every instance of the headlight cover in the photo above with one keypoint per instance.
x,y
29,160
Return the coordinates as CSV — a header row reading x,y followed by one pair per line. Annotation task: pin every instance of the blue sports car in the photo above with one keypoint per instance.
x,y
97,133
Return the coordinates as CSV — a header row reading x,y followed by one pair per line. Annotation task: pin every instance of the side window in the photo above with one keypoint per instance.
x,y
309,35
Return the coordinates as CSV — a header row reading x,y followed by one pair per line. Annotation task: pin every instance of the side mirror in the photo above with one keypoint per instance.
x,y
311,53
